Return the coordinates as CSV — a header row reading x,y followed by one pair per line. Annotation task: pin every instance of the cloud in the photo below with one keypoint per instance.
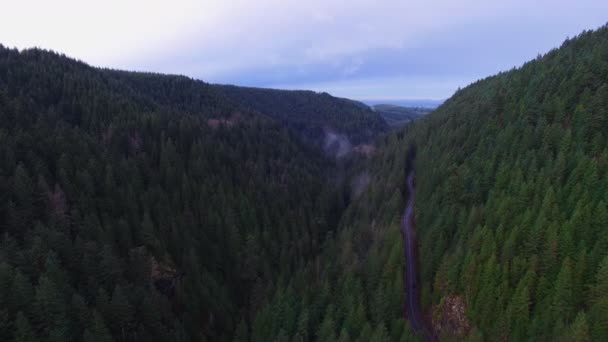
x,y
347,45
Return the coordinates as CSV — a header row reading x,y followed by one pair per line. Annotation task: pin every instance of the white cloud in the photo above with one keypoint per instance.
x,y
115,32
220,39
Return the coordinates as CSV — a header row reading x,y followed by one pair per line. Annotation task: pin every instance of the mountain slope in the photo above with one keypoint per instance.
x,y
512,196
511,201
139,206
511,215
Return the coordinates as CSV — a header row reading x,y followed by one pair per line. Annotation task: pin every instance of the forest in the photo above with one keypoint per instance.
x,y
511,212
144,207
148,207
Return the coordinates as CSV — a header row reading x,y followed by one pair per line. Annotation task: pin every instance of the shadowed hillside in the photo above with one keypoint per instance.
x,y
140,206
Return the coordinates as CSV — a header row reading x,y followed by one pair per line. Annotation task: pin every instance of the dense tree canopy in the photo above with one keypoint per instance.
x,y
310,114
146,207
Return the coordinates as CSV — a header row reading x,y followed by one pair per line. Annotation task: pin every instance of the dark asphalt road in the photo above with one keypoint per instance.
x,y
411,284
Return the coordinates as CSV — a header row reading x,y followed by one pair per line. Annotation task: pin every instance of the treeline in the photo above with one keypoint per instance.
x,y
397,116
142,207
511,212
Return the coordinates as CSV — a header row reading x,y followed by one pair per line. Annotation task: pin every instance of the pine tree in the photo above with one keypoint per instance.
x,y
98,331
149,234
6,325
344,337
22,293
562,295
579,330
109,267
599,301
23,329
6,279
121,312
327,330
303,324
366,333
518,312
380,335
79,313
241,333
49,308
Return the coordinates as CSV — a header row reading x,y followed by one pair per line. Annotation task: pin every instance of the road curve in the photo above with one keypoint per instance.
x,y
413,311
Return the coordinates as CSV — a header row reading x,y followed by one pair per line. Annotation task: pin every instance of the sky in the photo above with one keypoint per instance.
x,y
360,49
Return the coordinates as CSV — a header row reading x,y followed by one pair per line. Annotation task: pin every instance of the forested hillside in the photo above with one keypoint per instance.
x,y
311,114
512,197
511,212
145,207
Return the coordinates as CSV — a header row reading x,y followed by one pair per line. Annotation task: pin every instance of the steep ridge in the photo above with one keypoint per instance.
x,y
510,187
511,215
511,196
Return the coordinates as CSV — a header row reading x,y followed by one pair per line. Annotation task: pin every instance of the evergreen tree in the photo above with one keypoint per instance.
x,y
579,330
98,331
23,329
599,301
120,311
49,309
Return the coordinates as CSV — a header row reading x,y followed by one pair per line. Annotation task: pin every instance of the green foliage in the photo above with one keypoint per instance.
x,y
511,177
138,206
23,329
145,207
511,184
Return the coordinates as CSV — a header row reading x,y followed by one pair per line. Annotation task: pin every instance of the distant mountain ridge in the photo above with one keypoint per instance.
x,y
422,103
397,116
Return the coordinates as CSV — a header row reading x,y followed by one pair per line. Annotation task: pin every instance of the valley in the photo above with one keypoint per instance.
x,y
139,206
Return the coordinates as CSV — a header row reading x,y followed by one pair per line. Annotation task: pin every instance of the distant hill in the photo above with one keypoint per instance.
x,y
397,116
310,114
424,103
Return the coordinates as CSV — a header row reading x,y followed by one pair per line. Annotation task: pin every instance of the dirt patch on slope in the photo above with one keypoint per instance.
x,y
226,122
367,150
450,318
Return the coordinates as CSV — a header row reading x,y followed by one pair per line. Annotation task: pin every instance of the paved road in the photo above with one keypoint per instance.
x,y
412,287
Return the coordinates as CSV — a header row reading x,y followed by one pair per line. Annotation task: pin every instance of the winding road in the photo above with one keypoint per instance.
x,y
413,311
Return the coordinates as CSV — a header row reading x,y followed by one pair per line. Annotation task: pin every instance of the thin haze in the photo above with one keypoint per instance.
x,y
361,49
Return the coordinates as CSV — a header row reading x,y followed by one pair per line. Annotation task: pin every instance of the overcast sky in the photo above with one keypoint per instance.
x,y
363,49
